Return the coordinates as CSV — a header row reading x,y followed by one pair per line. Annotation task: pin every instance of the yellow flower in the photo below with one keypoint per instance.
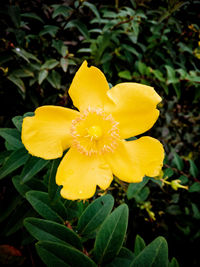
x,y
96,134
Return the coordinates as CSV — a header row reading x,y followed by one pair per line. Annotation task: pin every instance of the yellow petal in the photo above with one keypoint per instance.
x,y
80,174
47,134
133,105
132,160
88,87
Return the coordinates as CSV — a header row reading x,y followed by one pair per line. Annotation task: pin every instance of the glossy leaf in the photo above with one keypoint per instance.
x,y
139,245
111,235
32,167
12,136
50,64
64,64
49,210
79,25
135,188
154,255
178,161
14,161
193,169
42,76
45,230
31,185
57,254
95,214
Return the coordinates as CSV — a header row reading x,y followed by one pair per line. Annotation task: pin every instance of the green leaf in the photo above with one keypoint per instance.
x,y
142,68
193,169
4,155
135,188
32,16
18,82
195,210
130,49
52,186
61,10
125,74
15,16
158,74
154,255
111,235
195,187
32,167
79,25
173,263
64,64
42,75
49,210
139,245
168,172
178,161
171,75
49,29
95,214
93,8
50,64
14,161
12,136
25,55
31,185
45,230
57,254
54,79
17,121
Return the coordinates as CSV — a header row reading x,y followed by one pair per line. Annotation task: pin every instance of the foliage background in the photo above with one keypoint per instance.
x,y
42,43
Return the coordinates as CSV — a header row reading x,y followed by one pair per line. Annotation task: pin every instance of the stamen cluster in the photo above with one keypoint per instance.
x,y
106,136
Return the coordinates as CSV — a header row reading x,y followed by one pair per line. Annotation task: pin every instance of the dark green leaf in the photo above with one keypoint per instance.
x,y
111,235
15,16
173,263
32,167
4,155
93,8
31,185
12,136
195,187
45,230
135,188
171,75
64,64
17,121
49,210
49,29
14,161
18,82
154,255
55,79
42,75
79,25
139,245
193,169
61,10
178,161
95,214
50,64
32,16
125,74
52,186
57,254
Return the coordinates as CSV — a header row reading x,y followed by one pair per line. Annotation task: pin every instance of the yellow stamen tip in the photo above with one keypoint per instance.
x,y
95,132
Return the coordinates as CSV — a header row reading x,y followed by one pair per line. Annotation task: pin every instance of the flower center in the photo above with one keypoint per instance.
x,y
95,132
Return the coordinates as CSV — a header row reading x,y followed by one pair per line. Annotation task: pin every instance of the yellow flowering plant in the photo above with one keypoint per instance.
x,y
95,135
